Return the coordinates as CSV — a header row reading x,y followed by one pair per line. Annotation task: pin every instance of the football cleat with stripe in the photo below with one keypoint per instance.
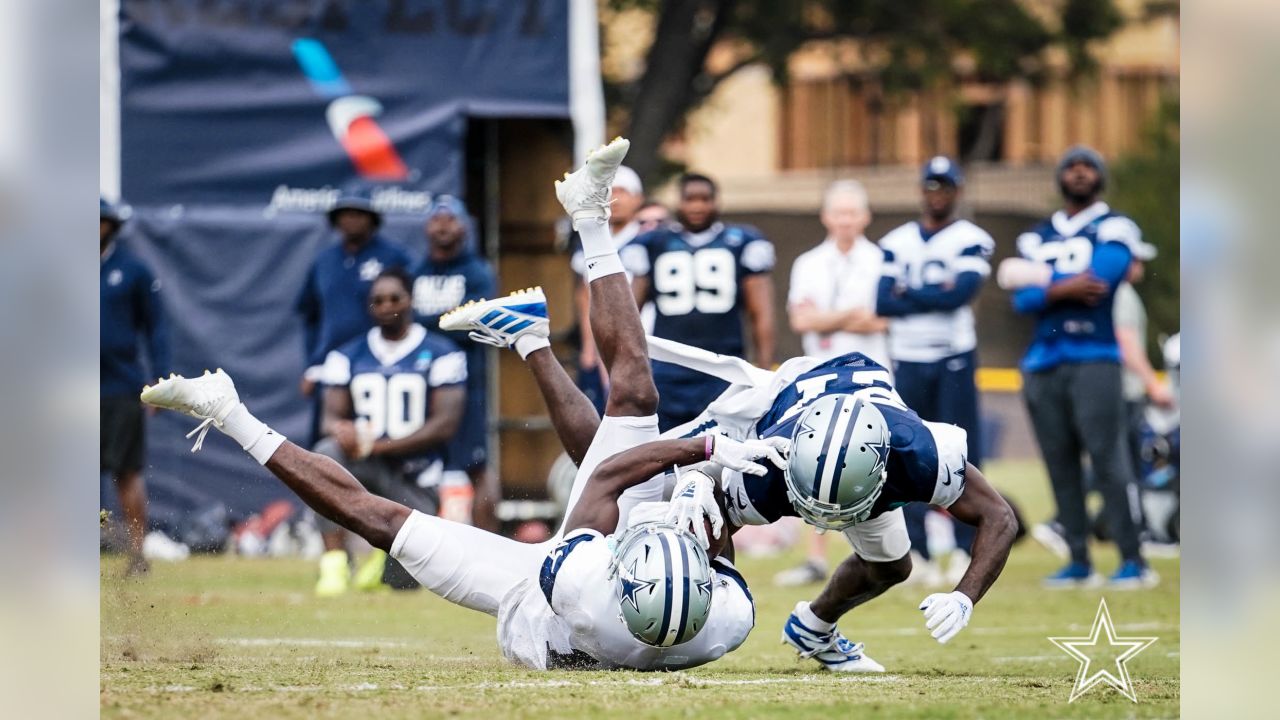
x,y
832,650
837,466
500,321
663,583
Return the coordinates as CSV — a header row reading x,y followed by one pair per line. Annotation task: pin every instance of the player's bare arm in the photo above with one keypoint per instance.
x,y
598,507
984,508
757,290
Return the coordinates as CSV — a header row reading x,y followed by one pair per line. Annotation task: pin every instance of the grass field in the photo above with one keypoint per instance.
x,y
225,637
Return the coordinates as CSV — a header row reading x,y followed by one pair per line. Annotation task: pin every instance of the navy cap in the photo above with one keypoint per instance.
x,y
1086,155
116,213
941,167
355,198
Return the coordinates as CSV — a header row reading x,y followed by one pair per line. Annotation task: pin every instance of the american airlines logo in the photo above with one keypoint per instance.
x,y
352,118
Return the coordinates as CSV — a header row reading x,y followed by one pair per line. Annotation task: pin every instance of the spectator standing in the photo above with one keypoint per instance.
x,y
704,278
1072,372
831,303
1142,387
393,400
130,316
452,274
334,299
933,270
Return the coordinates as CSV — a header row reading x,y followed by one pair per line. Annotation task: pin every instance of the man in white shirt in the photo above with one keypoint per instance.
x,y
832,299
832,303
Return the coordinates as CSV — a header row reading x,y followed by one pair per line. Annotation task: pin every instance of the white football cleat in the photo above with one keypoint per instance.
x,y
584,193
832,650
499,322
210,397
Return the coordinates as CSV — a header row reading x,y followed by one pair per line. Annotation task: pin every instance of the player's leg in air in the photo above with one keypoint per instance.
x,y
519,321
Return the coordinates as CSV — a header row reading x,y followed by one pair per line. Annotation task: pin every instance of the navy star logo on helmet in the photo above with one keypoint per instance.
x,y
881,449
631,586
705,587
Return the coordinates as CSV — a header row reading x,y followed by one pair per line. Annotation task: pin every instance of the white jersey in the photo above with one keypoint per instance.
x,y
914,261
832,280
571,617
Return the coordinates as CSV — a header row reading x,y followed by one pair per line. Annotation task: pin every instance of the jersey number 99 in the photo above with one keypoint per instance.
x,y
705,280
395,406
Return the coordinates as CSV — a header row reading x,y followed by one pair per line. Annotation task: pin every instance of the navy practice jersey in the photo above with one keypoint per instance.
x,y
1073,332
391,384
130,312
335,300
695,281
926,460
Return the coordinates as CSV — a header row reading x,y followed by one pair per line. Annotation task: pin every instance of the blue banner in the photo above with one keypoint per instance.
x,y
282,102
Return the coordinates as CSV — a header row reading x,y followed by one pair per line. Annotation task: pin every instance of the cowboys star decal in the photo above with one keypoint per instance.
x,y
881,449
631,586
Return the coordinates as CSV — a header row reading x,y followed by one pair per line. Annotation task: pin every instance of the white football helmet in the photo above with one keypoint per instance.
x,y
839,450
663,583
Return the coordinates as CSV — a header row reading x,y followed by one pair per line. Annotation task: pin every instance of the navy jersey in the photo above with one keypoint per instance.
x,y
696,281
438,288
926,460
391,384
334,302
130,312
1095,239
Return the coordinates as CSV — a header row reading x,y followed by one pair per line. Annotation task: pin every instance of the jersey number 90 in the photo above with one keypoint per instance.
x,y
395,406
705,280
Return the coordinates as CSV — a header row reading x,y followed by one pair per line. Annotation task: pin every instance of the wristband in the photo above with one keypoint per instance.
x,y
709,447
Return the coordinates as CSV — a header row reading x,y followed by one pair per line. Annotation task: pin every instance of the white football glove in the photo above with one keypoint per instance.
x,y
946,614
738,455
694,497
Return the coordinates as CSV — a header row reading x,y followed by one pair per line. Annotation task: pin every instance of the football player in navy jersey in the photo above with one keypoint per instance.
x,y
933,270
394,399
702,277
332,302
454,273
1069,269
857,455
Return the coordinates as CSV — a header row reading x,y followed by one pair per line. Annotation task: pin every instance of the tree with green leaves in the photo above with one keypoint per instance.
x,y
1146,187
907,45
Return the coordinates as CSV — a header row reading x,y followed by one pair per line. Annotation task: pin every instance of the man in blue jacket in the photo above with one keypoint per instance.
x,y
130,316
452,274
334,300
1071,372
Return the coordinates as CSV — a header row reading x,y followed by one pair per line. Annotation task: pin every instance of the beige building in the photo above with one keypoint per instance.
x,y
774,148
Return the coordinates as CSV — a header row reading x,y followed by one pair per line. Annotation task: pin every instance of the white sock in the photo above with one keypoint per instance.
x,y
811,621
526,344
598,250
253,435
